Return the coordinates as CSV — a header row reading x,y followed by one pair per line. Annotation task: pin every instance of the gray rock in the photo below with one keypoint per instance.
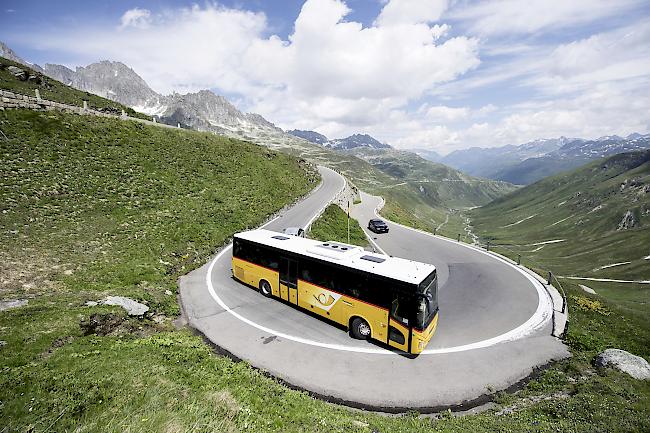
x,y
633,365
17,72
91,304
587,289
12,303
627,222
132,307
3,343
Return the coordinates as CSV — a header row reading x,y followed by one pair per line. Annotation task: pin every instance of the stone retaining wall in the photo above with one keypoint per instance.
x,y
9,100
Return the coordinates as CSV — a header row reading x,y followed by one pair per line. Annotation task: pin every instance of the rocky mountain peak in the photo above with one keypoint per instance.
x,y
358,140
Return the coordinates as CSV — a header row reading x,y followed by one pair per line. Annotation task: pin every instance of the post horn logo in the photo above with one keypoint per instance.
x,y
325,300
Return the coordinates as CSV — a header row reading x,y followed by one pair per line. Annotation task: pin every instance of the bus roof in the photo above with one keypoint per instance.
x,y
350,256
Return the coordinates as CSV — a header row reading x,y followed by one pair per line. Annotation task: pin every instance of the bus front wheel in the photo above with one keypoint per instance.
x,y
265,288
360,329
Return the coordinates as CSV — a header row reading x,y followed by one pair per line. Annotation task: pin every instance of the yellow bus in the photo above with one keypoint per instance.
x,y
389,299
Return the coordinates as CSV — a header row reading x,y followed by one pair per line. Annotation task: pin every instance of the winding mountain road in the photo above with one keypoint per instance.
x,y
494,327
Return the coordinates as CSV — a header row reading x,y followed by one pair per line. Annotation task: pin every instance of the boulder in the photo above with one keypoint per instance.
x,y
132,307
627,222
633,365
17,72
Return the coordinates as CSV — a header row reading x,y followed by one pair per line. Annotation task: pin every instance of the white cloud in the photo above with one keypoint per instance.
x,y
397,12
136,17
329,64
444,113
339,77
515,16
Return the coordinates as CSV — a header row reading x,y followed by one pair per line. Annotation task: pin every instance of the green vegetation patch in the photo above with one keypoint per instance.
x,y
332,225
56,91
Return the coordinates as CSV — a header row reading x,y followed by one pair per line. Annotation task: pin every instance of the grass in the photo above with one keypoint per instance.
x,y
56,91
332,225
127,209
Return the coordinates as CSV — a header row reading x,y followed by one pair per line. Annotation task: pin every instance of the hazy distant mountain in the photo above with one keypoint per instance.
x,y
351,142
572,155
202,110
487,162
428,154
311,136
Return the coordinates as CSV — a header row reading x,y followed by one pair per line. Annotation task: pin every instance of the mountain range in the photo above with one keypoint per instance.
x,y
532,161
351,142
203,110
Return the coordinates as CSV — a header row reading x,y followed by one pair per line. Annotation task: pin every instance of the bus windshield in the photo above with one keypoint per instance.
x,y
427,300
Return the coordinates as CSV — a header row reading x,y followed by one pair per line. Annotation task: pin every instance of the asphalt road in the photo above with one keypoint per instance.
x,y
494,326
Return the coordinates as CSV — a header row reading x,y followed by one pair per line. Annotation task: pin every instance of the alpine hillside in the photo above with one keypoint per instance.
x,y
592,222
406,201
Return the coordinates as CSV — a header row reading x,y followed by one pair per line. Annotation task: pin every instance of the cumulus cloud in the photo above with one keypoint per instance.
x,y
407,78
329,69
136,17
397,12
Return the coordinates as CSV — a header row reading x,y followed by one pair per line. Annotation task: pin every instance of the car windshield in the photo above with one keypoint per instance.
x,y
427,300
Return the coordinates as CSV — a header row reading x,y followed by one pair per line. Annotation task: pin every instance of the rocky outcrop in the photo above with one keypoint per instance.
x,y
627,222
633,365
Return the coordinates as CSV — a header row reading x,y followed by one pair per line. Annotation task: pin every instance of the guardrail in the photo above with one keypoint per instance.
x,y
540,271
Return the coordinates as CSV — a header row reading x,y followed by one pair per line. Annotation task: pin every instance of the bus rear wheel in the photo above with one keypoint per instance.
x,y
265,288
360,329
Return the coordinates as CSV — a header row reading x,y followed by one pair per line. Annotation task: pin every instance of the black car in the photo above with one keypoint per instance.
x,y
377,226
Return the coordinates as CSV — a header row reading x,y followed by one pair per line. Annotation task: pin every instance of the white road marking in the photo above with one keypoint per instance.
x,y
538,320
611,266
519,222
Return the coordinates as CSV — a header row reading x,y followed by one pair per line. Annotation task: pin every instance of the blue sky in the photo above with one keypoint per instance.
x,y
437,74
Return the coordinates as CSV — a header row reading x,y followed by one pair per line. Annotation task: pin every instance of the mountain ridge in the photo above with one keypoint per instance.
x,y
528,162
350,142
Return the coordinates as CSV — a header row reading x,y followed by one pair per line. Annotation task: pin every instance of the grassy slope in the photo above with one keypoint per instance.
x,y
584,207
332,225
407,204
442,185
617,315
53,90
127,209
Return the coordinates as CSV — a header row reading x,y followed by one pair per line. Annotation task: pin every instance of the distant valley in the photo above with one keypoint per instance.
x,y
532,161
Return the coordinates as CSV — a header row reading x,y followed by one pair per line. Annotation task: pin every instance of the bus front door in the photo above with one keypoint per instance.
x,y
289,280
398,327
